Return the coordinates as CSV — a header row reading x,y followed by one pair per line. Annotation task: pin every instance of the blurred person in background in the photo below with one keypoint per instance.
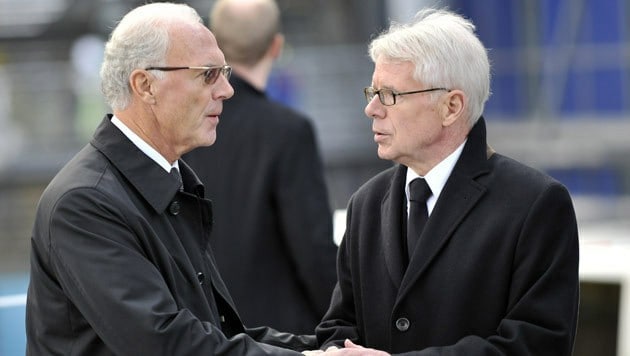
x,y
120,259
494,268
273,223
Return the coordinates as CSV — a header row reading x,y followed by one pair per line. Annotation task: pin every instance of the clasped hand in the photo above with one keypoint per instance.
x,y
350,349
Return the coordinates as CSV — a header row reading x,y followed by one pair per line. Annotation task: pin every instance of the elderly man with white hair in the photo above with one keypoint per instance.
x,y
120,261
457,250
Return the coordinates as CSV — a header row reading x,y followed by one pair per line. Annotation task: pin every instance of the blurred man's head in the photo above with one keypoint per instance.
x,y
245,29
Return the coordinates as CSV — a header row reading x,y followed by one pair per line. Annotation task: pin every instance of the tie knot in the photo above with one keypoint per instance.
x,y
419,190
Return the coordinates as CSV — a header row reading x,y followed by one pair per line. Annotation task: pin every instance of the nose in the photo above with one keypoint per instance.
x,y
223,89
374,109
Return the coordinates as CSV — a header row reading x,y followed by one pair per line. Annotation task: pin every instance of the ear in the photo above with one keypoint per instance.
x,y
275,49
141,85
453,107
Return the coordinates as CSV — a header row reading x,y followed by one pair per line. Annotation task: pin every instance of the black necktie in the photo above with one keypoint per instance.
x,y
419,192
175,173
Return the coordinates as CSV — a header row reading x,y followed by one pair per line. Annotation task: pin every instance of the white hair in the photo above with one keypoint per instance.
x,y
446,53
140,39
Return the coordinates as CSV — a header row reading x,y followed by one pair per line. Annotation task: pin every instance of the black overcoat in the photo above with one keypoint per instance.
x,y
499,275
121,265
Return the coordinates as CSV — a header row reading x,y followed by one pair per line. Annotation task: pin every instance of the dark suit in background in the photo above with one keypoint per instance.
x,y
273,225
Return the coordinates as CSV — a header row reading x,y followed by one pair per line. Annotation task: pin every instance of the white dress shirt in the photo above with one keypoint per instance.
x,y
436,178
144,147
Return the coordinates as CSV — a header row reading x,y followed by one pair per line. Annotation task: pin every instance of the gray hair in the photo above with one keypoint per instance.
x,y
140,39
446,53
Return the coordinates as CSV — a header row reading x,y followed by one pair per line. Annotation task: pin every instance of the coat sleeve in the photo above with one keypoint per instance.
x,y
340,321
102,268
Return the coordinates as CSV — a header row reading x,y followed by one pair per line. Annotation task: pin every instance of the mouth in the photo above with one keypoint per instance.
x,y
214,114
378,132
379,136
213,118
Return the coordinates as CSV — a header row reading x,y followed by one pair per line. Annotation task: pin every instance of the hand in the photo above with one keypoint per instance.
x,y
318,352
352,349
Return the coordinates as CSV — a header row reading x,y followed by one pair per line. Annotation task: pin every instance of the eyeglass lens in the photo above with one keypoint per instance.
x,y
386,96
211,75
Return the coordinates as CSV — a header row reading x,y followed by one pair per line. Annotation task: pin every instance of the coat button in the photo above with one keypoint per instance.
x,y
200,277
174,208
402,324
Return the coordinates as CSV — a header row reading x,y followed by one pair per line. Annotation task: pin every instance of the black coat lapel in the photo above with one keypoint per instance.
x,y
391,229
459,196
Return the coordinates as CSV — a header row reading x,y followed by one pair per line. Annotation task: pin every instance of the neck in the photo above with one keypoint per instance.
x,y
256,75
136,121
452,137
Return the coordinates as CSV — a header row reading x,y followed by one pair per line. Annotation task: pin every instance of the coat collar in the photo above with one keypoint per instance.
x,y
240,85
460,194
155,185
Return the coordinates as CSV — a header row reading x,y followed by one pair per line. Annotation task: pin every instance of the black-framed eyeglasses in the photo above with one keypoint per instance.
x,y
210,74
388,96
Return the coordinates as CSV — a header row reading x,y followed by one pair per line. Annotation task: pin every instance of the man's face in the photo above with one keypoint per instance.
x,y
186,108
407,131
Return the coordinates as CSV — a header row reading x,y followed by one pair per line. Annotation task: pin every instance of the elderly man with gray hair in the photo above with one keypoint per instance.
x,y
457,250
120,261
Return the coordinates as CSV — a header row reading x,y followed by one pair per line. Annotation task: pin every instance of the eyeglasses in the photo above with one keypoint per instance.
x,y
210,74
388,96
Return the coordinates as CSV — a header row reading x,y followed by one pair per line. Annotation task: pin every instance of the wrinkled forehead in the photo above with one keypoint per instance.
x,y
193,44
389,70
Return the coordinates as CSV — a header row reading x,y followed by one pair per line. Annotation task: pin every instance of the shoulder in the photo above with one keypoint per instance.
x,y
510,169
376,188
265,114
288,117
83,194
519,181
88,175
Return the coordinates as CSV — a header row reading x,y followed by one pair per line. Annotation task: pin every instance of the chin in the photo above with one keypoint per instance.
x,y
210,138
383,154
211,141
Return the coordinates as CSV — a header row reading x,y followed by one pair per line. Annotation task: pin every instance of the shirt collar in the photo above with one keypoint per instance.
x,y
436,178
143,146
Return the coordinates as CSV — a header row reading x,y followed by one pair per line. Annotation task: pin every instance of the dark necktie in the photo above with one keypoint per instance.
x,y
175,173
419,192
